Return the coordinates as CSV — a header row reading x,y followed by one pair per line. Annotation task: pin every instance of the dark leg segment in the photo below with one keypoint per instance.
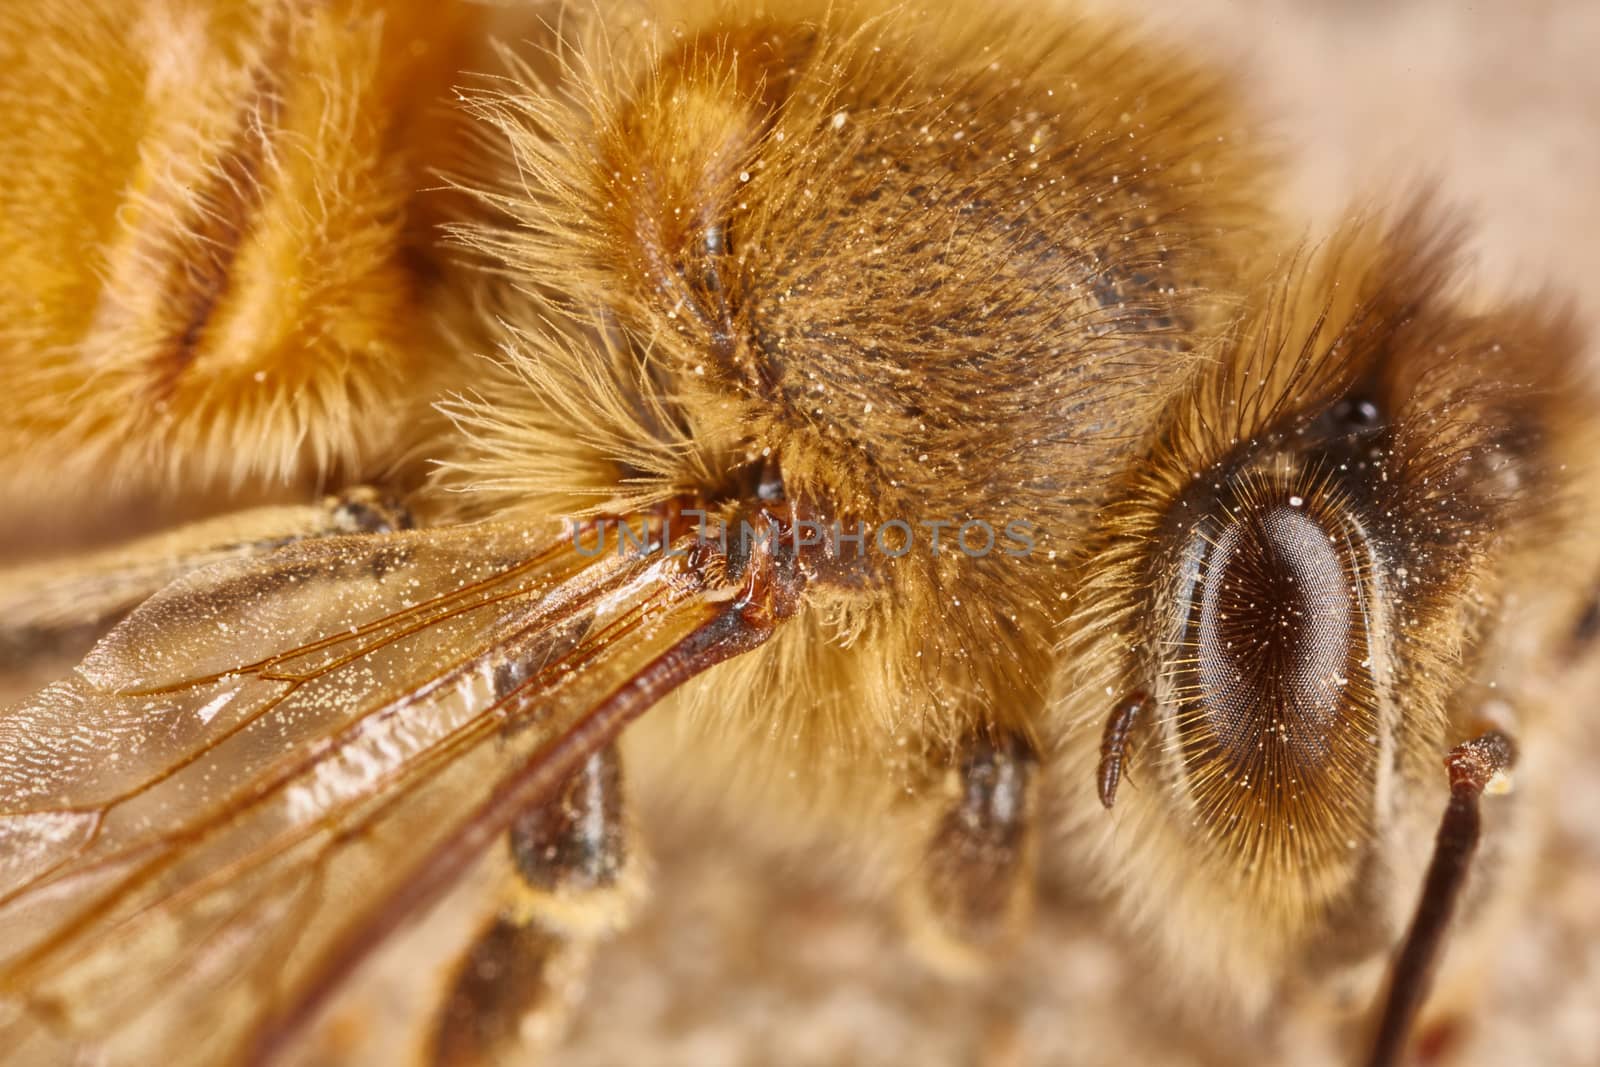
x,y
573,853
510,997
977,874
515,987
1472,766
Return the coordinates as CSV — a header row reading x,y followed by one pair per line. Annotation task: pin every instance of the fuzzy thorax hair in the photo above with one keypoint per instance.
x,y
925,281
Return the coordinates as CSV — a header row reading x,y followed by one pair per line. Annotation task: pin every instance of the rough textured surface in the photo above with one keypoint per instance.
x,y
756,961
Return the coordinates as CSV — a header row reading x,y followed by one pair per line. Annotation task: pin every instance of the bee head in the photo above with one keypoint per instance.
x,y
1310,562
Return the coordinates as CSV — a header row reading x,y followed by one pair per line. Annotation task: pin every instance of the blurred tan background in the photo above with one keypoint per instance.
x,y
1497,102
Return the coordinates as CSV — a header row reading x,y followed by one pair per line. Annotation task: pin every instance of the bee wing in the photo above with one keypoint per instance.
x,y
197,841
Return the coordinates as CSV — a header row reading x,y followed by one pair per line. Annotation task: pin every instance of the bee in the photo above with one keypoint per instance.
x,y
916,412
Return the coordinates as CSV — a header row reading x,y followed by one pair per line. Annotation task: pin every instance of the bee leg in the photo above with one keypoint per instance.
x,y
577,878
1585,630
973,889
1474,767
365,509
511,995
577,858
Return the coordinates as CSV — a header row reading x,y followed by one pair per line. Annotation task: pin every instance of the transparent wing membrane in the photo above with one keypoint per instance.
x,y
272,763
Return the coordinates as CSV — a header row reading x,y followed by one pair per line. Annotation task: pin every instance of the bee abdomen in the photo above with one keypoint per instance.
x,y
231,265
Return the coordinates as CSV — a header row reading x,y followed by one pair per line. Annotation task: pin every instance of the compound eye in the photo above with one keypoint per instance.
x,y
1273,638
1273,677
